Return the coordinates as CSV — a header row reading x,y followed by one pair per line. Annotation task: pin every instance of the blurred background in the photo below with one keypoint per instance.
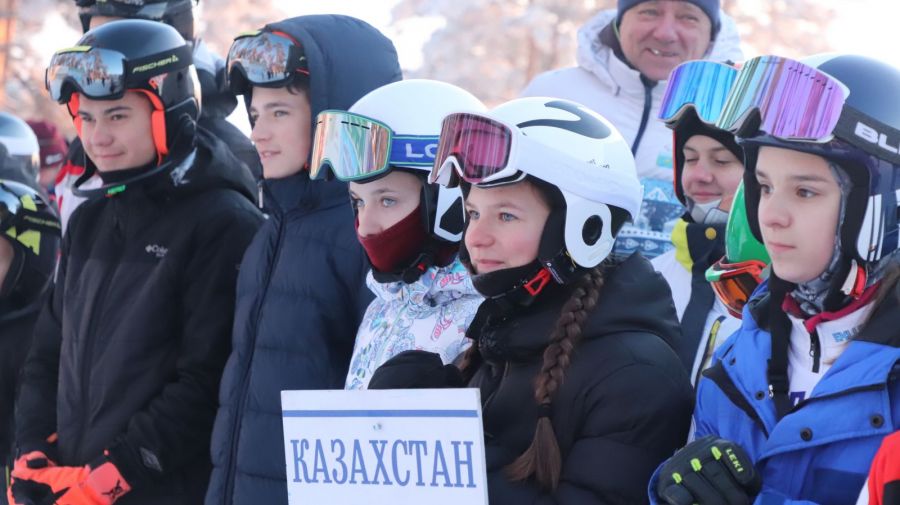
x,y
490,47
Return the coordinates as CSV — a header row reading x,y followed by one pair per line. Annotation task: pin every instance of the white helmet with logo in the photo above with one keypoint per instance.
x,y
590,164
414,109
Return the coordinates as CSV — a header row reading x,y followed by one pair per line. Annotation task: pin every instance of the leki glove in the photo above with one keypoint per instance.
x,y
709,471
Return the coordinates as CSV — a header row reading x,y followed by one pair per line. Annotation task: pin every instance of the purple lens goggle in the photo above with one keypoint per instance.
x,y
783,98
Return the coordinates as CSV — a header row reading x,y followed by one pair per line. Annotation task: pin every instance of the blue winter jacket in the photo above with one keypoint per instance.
x,y
301,291
821,451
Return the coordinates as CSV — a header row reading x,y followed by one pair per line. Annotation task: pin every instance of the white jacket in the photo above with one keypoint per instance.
x,y
719,323
431,314
607,85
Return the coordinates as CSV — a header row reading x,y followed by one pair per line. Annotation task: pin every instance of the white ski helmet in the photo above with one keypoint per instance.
x,y
573,149
413,109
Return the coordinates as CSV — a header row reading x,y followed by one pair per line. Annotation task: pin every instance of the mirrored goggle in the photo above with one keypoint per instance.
x,y
478,148
354,147
265,58
733,283
783,98
96,73
702,85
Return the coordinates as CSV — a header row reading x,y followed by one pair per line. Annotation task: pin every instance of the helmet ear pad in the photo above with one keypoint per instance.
x,y
157,124
589,234
449,213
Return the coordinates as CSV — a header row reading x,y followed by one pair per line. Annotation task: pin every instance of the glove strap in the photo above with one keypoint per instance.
x,y
107,482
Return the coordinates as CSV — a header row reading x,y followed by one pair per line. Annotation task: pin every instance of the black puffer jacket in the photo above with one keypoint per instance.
x,y
302,292
128,352
625,404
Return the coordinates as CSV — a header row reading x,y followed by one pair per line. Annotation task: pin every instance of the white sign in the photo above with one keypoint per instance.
x,y
416,446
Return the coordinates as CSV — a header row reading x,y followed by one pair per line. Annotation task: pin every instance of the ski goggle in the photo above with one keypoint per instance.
x,y
702,85
487,152
264,59
105,74
785,98
733,283
356,147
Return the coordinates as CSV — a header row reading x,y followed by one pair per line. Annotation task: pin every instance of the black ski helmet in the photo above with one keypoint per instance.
x,y
20,158
178,14
865,143
134,55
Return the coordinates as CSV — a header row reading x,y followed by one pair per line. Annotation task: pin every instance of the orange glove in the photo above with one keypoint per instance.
x,y
57,478
101,486
22,490
31,461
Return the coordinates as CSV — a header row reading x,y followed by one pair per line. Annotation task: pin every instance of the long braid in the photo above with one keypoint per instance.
x,y
542,459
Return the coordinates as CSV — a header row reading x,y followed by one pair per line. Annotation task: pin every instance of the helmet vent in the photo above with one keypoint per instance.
x,y
592,230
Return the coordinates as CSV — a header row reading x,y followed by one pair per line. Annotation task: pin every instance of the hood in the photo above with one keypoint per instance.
x,y
216,101
594,56
347,58
214,167
437,286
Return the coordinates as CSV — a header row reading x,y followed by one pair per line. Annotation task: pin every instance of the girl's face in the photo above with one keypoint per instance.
x,y
382,203
505,226
711,171
281,130
799,208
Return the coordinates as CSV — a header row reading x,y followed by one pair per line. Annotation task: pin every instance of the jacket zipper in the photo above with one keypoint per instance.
x,y
815,350
645,117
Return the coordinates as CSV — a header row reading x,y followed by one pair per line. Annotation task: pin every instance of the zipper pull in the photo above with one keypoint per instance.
x,y
815,350
259,194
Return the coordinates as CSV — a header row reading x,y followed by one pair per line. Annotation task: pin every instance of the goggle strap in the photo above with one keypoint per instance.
x,y
869,134
139,71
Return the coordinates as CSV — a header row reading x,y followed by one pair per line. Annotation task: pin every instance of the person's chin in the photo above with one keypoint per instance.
x,y
486,268
279,169
792,271
658,68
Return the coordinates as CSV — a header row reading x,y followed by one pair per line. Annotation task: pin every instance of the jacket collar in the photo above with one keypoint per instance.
x,y
437,286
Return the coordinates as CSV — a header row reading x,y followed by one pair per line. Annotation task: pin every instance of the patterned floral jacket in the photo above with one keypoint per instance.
x,y
431,314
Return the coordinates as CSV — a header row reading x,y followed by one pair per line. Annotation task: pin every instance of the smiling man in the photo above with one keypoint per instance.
x,y
624,56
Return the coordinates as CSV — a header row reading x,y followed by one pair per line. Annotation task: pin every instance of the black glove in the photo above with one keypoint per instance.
x,y
709,471
29,492
416,370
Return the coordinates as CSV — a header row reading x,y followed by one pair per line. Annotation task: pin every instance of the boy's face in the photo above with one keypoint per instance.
x,y
799,206
281,130
116,133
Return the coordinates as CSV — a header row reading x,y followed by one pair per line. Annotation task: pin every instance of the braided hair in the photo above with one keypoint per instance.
x,y
542,458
